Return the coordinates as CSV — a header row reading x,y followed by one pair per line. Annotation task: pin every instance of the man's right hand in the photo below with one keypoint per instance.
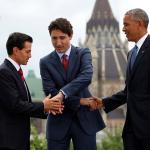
x,y
92,102
52,106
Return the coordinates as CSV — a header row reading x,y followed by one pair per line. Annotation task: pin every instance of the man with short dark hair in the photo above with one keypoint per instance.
x,y
66,74
16,106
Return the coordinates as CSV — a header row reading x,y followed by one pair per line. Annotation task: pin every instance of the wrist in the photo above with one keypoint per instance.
x,y
61,95
103,104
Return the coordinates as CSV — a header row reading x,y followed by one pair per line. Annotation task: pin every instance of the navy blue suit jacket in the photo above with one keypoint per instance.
x,y
74,83
136,94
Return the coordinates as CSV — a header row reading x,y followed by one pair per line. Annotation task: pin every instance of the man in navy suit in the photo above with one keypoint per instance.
x,y
66,73
16,106
136,132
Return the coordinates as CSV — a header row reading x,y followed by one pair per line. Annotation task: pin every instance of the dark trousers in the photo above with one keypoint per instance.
x,y
131,142
80,139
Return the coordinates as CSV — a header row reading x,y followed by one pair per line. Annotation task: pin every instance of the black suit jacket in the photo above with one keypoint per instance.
x,y
136,94
74,83
16,108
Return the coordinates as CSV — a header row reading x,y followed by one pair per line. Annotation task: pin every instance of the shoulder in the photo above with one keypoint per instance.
x,y
81,50
5,71
47,57
4,68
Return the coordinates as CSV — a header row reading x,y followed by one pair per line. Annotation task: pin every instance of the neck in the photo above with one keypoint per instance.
x,y
13,58
141,34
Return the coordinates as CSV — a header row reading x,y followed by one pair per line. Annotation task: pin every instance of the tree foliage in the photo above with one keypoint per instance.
x,y
112,141
37,142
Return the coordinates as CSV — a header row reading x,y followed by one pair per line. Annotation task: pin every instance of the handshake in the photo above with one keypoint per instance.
x,y
55,105
92,102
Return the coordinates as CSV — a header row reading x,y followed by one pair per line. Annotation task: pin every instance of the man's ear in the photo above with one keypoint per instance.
x,y
15,50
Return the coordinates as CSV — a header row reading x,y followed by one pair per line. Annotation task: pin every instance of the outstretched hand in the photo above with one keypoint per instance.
x,y
92,102
53,106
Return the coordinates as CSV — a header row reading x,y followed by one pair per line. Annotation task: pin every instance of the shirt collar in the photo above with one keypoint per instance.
x,y
13,63
141,41
67,52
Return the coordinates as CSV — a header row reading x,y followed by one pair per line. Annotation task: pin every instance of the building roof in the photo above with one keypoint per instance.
x,y
103,36
35,86
102,15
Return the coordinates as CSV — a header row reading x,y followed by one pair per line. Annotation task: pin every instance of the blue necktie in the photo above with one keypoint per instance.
x,y
133,56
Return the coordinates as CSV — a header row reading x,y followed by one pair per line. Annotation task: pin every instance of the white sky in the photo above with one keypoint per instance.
x,y
33,17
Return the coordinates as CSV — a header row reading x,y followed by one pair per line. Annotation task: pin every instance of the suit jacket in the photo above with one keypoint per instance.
x,y
74,83
16,108
136,94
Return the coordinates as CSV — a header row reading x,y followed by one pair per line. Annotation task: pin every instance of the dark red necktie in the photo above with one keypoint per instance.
x,y
65,62
21,74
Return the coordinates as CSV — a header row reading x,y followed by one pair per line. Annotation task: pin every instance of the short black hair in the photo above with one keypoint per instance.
x,y
17,39
61,24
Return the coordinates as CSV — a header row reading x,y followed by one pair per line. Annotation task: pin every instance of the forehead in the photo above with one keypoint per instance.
x,y
58,33
27,45
129,18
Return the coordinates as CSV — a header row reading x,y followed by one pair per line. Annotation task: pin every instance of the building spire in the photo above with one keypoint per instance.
x,y
102,15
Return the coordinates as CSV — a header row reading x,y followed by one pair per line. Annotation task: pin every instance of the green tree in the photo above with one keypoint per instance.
x,y
37,142
112,141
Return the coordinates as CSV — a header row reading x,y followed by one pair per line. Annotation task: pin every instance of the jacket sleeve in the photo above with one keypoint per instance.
x,y
49,87
116,100
84,76
12,100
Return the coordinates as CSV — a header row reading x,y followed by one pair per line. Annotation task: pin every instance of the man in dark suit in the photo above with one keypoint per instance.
x,y
66,73
16,106
136,132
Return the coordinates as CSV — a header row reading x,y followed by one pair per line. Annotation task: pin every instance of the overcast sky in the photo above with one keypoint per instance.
x,y
33,17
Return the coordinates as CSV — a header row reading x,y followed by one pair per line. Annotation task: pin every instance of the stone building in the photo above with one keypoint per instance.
x,y
108,55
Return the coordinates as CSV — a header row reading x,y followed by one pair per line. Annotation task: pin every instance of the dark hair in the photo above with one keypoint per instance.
x,y
61,24
17,39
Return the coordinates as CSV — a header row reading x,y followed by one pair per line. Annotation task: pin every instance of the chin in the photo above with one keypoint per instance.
x,y
24,63
61,51
129,39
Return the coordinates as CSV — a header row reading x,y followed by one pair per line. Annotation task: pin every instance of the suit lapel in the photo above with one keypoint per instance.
x,y
19,80
128,64
9,64
55,60
140,55
72,61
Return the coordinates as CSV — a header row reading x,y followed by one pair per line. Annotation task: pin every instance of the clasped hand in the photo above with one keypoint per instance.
x,y
54,105
92,102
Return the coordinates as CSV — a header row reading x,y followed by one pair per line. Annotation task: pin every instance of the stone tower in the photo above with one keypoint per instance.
x,y
108,51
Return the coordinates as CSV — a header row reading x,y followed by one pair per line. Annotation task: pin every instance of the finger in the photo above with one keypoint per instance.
x,y
53,112
49,96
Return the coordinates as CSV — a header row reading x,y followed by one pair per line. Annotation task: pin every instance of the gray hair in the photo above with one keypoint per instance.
x,y
139,15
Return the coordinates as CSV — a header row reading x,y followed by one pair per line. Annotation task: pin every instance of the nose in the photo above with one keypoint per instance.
x,y
30,55
123,29
58,42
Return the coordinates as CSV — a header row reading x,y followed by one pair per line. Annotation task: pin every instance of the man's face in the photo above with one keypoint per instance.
x,y
131,28
60,40
22,55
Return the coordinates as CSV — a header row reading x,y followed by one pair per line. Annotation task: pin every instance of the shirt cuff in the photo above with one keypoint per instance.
x,y
65,95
